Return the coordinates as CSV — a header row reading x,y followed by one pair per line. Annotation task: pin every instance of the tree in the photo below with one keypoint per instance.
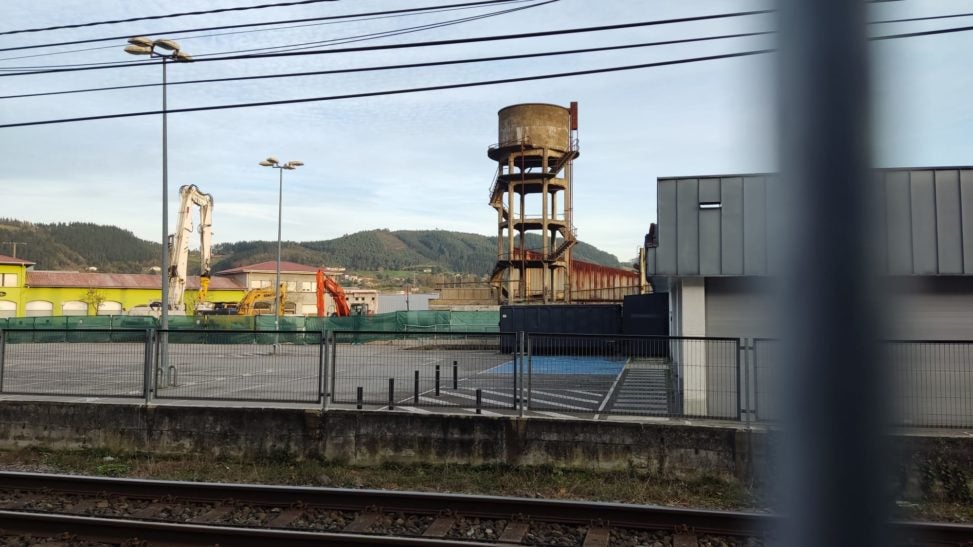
x,y
94,299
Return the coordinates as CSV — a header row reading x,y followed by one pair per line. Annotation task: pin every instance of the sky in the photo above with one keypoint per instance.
x,y
418,160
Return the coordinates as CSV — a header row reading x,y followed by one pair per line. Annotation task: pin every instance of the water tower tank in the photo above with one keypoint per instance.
x,y
540,125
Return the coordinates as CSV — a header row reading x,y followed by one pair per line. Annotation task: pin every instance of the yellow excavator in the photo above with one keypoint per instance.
x,y
248,305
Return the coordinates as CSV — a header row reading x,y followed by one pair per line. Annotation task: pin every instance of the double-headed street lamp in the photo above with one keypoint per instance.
x,y
290,166
167,50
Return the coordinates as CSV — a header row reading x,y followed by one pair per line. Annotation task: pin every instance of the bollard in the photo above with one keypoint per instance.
x,y
415,394
391,393
455,376
360,397
437,380
479,400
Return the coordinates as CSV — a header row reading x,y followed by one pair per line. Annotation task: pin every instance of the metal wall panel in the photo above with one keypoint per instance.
x,y
966,218
754,226
665,259
898,221
731,217
923,196
924,217
709,190
709,242
687,226
948,226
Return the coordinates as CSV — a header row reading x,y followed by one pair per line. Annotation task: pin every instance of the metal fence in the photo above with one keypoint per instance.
x,y
553,374
634,375
930,382
424,369
229,365
90,363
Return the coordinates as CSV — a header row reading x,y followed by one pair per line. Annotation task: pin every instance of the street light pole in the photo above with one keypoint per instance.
x,y
141,45
290,166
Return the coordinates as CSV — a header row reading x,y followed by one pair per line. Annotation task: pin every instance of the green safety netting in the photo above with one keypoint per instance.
x,y
252,329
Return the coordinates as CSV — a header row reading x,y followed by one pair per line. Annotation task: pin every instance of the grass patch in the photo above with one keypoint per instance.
x,y
631,486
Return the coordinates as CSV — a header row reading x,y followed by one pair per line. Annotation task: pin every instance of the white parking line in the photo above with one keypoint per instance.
x,y
472,398
559,405
568,397
414,409
555,415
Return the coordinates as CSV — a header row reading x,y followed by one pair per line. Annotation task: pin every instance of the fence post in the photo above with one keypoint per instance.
x,y
323,358
530,370
333,362
515,370
391,393
3,348
520,351
147,366
742,412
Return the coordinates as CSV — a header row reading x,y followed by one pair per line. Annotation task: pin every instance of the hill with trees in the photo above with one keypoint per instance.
x,y
81,245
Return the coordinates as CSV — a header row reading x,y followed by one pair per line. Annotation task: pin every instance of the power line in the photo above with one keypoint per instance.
x,y
283,22
393,91
334,41
383,34
408,45
400,66
356,18
922,33
308,45
166,16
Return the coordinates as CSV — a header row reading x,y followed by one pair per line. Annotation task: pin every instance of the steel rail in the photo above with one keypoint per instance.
x,y
165,533
615,514
609,514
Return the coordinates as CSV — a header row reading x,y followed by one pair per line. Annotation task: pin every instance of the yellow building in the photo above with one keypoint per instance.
x,y
25,292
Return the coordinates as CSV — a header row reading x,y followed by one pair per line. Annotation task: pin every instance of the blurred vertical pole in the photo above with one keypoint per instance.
x,y
833,471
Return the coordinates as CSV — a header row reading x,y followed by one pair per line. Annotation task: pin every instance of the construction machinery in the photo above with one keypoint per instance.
x,y
248,305
190,195
341,307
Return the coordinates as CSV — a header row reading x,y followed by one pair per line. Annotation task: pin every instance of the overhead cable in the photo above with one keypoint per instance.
x,y
392,91
165,16
407,45
397,67
176,33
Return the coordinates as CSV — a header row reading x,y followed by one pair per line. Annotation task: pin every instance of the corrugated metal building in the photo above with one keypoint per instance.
x,y
713,247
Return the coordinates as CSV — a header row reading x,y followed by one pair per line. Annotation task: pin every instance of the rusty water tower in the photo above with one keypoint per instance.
x,y
532,197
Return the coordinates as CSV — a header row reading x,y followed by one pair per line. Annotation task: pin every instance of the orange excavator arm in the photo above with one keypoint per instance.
x,y
325,283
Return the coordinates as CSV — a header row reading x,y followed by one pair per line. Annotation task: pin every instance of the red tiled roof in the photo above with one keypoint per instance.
x,y
117,281
4,259
271,266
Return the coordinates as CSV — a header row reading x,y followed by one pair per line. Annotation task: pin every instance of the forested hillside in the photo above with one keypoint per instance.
x,y
79,245
399,250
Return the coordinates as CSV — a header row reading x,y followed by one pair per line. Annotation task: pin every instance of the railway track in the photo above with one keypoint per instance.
x,y
106,511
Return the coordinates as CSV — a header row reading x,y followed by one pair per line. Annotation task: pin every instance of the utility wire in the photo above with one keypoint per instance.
x,y
166,16
407,45
398,67
393,91
308,45
247,25
456,7
383,34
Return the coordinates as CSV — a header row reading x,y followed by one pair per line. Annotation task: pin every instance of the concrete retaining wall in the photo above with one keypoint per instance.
x,y
367,438
937,466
